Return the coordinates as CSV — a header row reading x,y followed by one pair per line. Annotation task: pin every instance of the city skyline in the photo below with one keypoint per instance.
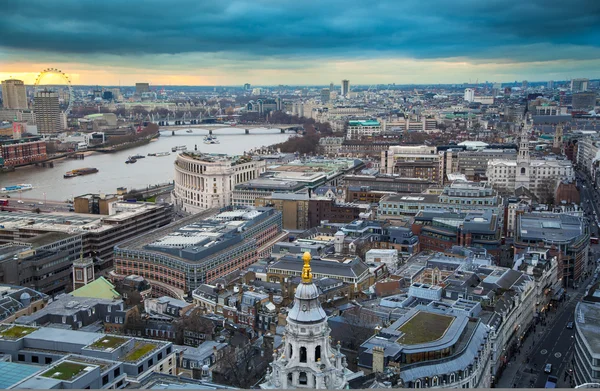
x,y
204,43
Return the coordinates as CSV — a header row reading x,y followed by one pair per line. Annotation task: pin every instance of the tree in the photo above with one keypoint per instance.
x,y
241,365
193,323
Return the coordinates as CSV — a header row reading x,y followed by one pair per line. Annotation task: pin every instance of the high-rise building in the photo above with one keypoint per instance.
x,y
579,85
331,87
247,87
47,112
140,88
324,95
345,87
525,84
584,101
469,94
551,84
14,95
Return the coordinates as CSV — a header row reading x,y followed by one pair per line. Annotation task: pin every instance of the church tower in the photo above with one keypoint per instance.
x,y
523,174
557,145
307,359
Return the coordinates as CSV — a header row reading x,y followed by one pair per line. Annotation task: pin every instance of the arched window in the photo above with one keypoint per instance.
x,y
302,379
303,354
291,351
435,381
522,170
452,378
418,383
317,352
290,379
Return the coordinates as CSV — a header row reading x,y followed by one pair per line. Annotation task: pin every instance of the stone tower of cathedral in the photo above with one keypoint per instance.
x,y
523,174
307,358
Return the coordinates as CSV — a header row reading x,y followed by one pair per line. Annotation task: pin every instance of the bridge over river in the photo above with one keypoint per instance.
x,y
241,127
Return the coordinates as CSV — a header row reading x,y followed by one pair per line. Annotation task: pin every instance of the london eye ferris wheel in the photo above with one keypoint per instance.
x,y
53,73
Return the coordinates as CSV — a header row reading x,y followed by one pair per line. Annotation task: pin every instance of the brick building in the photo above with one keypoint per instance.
x,y
17,152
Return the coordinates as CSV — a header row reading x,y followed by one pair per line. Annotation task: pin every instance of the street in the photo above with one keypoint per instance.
x,y
550,343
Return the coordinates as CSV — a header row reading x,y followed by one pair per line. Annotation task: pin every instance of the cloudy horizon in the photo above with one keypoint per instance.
x,y
301,43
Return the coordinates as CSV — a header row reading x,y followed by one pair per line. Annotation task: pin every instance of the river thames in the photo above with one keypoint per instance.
x,y
113,172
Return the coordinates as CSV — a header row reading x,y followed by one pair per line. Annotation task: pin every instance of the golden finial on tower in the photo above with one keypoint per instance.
x,y
306,273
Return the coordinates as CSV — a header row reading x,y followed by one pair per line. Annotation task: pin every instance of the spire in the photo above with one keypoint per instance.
x,y
306,272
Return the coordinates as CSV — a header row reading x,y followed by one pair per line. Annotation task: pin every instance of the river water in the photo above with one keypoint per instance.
x,y
113,172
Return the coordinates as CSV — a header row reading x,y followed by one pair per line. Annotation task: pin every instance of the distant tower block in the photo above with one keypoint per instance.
x,y
83,272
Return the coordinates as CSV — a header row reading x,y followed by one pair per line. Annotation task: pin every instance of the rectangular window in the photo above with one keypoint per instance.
x,y
48,360
104,380
35,359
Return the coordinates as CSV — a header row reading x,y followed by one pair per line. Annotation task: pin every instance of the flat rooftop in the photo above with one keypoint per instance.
x,y
199,236
552,227
424,327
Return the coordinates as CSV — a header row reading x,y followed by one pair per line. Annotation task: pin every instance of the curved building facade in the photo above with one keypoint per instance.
x,y
205,181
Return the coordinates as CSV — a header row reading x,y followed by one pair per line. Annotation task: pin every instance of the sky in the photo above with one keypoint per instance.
x,y
300,42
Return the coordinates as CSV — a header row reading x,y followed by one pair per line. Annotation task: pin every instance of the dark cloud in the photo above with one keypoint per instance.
x,y
424,29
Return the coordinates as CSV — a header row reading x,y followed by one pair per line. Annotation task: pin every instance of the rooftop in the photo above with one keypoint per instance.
x,y
424,327
140,350
100,288
108,342
66,370
12,373
550,227
16,332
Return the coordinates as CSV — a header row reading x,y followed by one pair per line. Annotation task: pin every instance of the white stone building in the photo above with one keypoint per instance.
x,y
540,177
204,181
307,359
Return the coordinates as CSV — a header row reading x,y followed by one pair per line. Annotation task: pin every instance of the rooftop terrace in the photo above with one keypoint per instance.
x,y
66,370
424,327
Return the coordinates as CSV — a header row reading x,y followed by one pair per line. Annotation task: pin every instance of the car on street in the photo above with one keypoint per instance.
x,y
40,203
570,325
548,368
551,382
20,202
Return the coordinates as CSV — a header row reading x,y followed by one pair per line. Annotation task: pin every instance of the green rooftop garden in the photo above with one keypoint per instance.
x,y
16,332
108,342
66,370
424,327
140,349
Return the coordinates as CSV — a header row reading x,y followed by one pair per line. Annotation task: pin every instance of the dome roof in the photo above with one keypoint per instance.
x,y
25,296
307,308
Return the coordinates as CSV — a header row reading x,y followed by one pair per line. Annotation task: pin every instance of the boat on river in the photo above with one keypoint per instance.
x,y
15,188
80,172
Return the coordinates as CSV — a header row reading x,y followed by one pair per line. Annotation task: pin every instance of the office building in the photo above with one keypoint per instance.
x,y
204,181
47,112
587,334
17,301
420,161
440,230
141,88
14,94
325,95
45,270
433,347
473,164
176,259
584,101
246,194
579,85
567,237
95,234
247,87
331,87
364,128
22,151
459,196
345,88
388,182
550,85
469,94
525,85
54,358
